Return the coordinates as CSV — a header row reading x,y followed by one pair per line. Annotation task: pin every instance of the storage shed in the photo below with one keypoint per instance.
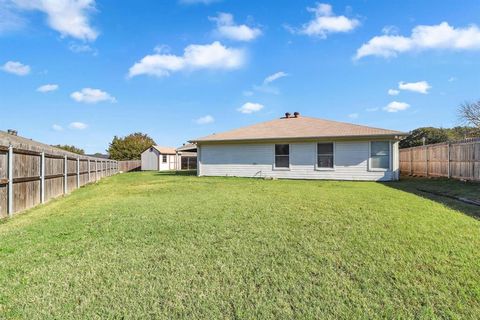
x,y
159,158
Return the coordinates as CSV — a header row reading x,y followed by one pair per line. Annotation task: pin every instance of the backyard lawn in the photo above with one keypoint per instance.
x,y
151,245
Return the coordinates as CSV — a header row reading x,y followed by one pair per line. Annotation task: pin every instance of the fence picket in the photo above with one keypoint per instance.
x,y
459,160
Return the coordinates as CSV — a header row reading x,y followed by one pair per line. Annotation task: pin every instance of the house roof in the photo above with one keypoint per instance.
x,y
165,150
23,143
298,128
188,147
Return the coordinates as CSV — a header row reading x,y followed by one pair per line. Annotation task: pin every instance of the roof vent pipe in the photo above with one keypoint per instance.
x,y
296,114
287,115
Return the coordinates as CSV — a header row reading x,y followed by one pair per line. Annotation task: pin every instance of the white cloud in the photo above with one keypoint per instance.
x,y
82,48
89,95
396,106
372,109
57,127
420,86
393,92
325,22
274,77
16,67
353,115
78,125
435,37
250,107
210,56
205,120
47,88
248,93
9,19
69,17
452,79
227,28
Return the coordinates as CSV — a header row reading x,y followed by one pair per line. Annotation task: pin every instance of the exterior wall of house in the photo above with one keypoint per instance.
x,y
351,161
150,159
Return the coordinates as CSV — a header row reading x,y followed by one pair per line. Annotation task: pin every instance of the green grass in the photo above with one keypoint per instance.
x,y
147,245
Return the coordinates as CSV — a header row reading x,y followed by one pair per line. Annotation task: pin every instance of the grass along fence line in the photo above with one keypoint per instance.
x,y
153,245
32,173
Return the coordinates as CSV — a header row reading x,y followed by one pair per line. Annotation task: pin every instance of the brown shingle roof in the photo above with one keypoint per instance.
x,y
165,150
297,128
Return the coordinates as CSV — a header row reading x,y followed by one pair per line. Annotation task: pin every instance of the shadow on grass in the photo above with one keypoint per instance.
x,y
442,190
177,173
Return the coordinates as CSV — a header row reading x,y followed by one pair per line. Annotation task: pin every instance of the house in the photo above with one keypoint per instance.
x,y
188,156
298,147
160,158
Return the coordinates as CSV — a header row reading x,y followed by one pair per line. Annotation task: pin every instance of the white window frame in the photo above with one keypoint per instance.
x,y
289,157
370,168
164,158
316,156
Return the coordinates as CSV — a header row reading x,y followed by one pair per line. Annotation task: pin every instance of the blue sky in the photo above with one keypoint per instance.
x,y
80,72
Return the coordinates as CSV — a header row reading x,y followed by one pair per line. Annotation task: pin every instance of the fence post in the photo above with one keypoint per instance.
x,y
42,177
88,164
448,161
426,160
96,170
65,174
10,181
78,173
411,161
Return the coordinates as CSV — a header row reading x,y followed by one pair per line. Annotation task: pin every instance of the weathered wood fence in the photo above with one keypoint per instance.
x,y
32,173
129,165
458,160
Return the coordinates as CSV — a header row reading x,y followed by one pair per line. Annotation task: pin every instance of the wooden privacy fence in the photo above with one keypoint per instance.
x,y
129,165
458,160
32,173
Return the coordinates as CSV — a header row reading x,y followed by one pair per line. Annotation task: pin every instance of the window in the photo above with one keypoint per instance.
x,y
325,155
380,155
164,158
282,156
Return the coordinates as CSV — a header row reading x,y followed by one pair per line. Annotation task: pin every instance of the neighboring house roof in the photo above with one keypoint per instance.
x,y
189,147
298,128
99,155
20,142
164,150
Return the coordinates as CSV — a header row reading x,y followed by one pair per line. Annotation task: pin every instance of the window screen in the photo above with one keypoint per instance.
x,y
380,155
325,155
282,155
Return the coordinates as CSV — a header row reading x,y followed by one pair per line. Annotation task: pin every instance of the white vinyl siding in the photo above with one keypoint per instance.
x,y
258,159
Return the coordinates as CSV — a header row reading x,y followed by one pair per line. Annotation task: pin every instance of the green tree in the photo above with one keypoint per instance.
x,y
129,147
437,135
431,135
69,148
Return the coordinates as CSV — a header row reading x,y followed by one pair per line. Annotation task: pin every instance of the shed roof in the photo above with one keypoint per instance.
x,y
165,150
298,128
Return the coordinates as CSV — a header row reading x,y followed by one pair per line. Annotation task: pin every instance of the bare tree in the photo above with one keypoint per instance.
x,y
470,112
